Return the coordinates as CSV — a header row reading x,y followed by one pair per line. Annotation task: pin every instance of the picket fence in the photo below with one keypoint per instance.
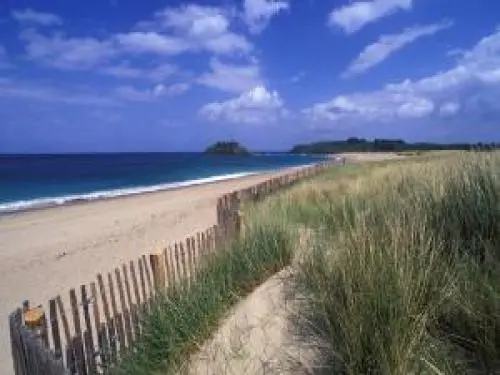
x,y
102,318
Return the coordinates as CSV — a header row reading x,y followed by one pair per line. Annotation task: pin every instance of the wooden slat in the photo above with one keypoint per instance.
x,y
112,340
103,342
87,336
200,241
194,251
18,355
104,298
184,265
178,266
132,306
149,279
168,267
44,331
189,259
143,283
95,306
124,308
111,328
67,334
158,269
90,352
135,311
203,244
116,314
97,318
54,325
77,340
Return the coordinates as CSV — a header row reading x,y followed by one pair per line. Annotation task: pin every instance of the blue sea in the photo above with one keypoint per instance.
x,y
34,181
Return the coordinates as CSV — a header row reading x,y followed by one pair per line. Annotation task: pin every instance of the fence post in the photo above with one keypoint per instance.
x,y
158,267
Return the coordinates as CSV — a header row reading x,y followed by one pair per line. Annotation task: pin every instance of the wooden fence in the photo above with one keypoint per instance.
x,y
91,329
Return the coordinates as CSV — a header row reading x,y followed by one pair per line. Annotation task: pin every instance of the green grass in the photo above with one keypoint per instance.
x,y
403,276
182,319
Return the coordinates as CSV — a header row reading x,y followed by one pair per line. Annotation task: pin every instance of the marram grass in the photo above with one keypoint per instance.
x,y
401,275
404,277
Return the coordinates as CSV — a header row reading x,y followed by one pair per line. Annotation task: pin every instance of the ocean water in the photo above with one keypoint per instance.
x,y
32,181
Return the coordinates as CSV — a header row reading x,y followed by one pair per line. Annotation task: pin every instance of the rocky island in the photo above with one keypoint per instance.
x,y
227,148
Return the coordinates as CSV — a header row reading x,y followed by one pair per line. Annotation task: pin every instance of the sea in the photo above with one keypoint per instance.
x,y
36,181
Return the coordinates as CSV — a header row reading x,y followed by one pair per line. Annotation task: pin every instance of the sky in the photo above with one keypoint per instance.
x,y
134,75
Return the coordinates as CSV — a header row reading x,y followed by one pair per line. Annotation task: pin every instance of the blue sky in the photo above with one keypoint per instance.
x,y
130,75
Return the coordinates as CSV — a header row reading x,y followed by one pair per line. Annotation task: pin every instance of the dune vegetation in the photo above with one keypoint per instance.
x,y
401,273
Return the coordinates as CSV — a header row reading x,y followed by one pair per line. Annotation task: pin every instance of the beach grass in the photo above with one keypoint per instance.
x,y
401,274
180,320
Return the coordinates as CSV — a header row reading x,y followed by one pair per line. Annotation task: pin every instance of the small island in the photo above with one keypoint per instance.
x,y
227,148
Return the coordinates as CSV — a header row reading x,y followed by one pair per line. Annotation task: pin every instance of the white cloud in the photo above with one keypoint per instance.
x,y
194,28
449,109
29,16
258,13
152,42
353,17
125,70
172,90
377,106
195,20
30,91
67,53
253,107
377,52
131,93
174,31
231,77
473,82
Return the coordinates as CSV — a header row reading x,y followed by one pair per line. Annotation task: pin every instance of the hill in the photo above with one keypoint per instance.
x,y
227,148
383,145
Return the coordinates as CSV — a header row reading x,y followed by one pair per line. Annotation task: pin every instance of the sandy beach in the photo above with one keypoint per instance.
x,y
44,253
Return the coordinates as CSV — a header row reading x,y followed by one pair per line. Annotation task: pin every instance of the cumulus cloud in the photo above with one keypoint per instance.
x,y
472,84
189,28
252,107
379,51
258,13
231,77
353,17
32,17
171,32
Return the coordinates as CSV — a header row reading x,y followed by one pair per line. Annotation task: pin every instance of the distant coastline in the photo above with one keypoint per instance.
x,y
385,145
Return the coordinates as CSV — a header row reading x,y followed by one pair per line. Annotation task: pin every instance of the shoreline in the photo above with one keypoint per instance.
x,y
45,203
45,252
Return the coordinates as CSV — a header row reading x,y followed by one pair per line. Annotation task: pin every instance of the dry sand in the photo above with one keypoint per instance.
x,y
258,337
44,253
